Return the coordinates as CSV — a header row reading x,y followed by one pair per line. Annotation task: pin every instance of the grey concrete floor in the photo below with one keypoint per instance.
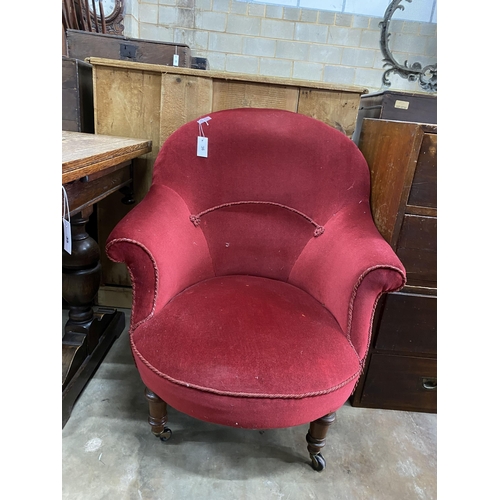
x,y
108,451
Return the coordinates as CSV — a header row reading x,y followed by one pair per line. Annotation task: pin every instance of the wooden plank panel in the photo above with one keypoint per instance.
x,y
332,107
183,98
222,75
234,94
127,104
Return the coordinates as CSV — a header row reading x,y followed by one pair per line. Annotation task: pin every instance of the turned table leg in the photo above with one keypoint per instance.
x,y
88,334
316,439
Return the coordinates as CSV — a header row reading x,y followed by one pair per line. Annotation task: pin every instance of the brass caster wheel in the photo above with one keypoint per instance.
x,y
165,435
318,463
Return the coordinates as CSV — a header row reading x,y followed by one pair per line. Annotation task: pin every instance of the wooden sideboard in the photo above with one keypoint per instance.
x,y
401,366
140,100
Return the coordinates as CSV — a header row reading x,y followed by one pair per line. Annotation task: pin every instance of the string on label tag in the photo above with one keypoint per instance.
x,y
66,223
202,144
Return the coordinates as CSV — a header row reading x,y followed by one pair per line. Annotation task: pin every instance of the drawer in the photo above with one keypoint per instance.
x,y
423,192
417,249
401,383
408,324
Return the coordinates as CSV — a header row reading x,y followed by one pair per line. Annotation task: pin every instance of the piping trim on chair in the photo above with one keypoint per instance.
x,y
238,394
157,278
353,298
196,219
363,361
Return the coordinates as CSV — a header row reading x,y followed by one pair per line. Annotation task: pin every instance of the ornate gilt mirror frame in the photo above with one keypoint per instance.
x,y
113,15
426,76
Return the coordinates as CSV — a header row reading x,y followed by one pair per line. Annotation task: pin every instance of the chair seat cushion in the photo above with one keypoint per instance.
x,y
246,339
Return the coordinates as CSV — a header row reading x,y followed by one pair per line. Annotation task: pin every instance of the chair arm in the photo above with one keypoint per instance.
x,y
163,251
347,269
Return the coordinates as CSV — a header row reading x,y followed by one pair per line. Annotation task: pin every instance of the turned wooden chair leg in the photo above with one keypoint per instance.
x,y
316,439
158,417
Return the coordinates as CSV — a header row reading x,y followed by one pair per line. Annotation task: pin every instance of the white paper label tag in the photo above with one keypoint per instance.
x,y
202,149
176,60
67,236
401,104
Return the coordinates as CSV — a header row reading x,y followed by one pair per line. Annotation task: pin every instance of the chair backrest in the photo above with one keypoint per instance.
x,y
271,181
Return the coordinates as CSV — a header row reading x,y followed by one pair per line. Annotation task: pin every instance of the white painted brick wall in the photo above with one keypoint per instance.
x,y
292,50
307,71
221,5
339,74
325,54
319,40
291,14
271,28
238,8
263,47
256,10
148,13
274,12
275,67
167,16
223,42
242,64
316,33
346,37
243,25
210,21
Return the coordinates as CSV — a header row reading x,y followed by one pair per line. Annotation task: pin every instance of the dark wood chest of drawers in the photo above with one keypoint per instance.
x,y
396,105
401,366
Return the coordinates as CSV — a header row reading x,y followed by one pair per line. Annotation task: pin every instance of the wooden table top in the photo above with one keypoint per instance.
x,y
85,154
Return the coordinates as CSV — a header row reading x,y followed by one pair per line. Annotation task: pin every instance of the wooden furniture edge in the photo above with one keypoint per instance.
x,y
388,227
428,128
74,169
125,38
221,75
78,171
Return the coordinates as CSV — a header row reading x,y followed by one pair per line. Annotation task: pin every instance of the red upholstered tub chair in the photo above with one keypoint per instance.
x,y
256,271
